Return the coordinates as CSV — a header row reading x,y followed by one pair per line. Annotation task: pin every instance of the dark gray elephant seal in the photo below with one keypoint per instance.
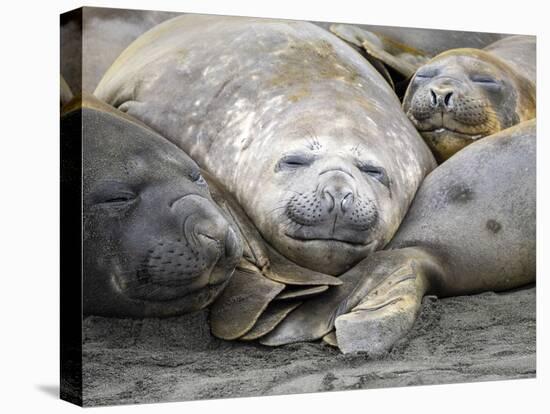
x,y
471,228
463,95
155,244
292,121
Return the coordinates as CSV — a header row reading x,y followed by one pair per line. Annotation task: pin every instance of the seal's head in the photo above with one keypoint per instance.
x,y
333,192
336,201
465,94
155,244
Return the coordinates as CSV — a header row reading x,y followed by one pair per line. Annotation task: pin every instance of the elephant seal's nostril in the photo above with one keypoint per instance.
x,y
328,200
441,97
433,98
347,202
206,237
447,100
337,194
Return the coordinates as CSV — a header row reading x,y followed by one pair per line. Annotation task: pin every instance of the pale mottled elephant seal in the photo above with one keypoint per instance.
x,y
155,244
471,228
290,119
463,95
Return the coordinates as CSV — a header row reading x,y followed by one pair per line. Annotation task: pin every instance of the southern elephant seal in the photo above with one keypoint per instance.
x,y
463,95
471,228
155,244
306,135
401,50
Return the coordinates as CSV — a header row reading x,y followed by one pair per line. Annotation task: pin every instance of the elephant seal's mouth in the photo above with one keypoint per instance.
x,y
445,132
168,289
172,270
332,240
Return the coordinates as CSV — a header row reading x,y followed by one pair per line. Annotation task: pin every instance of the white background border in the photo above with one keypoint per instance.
x,y
29,203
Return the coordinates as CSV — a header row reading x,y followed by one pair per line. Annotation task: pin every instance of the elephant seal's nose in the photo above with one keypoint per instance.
x,y
441,96
201,221
212,228
337,195
206,229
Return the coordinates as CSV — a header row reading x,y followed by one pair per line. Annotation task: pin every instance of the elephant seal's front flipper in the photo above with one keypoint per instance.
x,y
470,229
315,318
400,65
272,316
241,303
392,286
354,36
401,58
300,293
330,339
388,311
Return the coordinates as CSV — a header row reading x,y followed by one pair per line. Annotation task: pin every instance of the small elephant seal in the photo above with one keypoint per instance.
x,y
471,228
460,95
397,52
463,95
155,244
294,123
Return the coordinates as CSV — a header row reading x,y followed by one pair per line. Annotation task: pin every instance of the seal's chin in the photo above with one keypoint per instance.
x,y
444,142
327,255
